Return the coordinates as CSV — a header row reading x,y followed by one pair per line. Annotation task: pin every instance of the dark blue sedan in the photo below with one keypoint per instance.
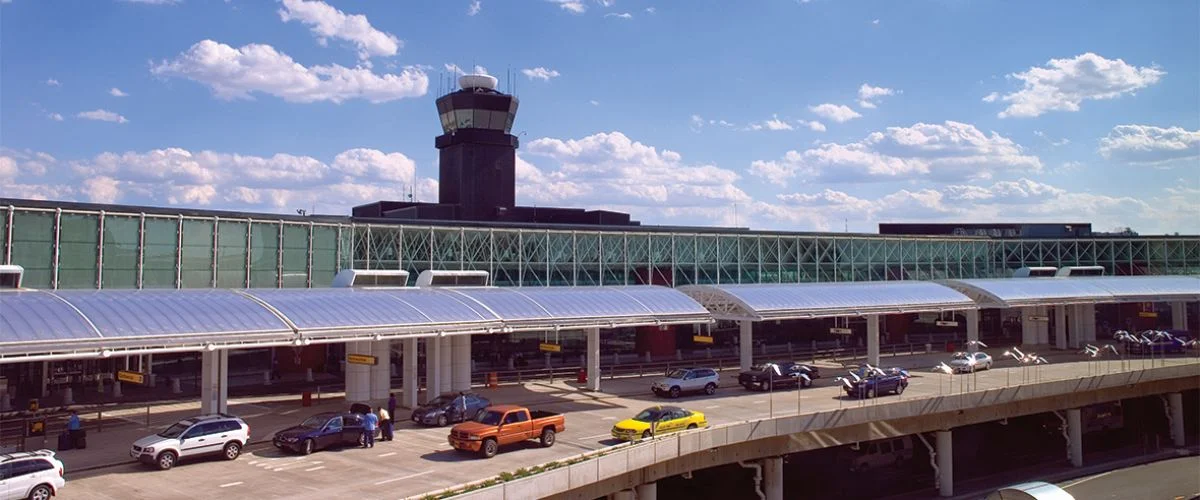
x,y
875,382
450,408
320,431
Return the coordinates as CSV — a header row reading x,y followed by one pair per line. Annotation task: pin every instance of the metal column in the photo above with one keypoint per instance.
x,y
945,463
214,381
1075,436
873,339
410,378
746,343
773,477
1060,325
593,359
972,316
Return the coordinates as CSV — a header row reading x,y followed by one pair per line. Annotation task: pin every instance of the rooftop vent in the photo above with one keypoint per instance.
x,y
1035,272
453,278
10,277
374,278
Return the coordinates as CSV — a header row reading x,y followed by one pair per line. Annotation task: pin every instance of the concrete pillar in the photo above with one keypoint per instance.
x,y
266,377
972,316
358,376
117,389
772,470
593,359
648,358
381,373
99,384
945,463
873,339
746,343
1179,315
1089,322
1074,314
622,495
1060,326
214,381
647,491
460,376
1075,436
446,354
1044,326
308,375
1175,406
408,349
5,405
68,397
176,386
433,376
46,380
1028,329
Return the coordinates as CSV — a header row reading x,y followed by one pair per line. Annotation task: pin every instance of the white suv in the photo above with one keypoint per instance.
x,y
682,380
209,434
36,475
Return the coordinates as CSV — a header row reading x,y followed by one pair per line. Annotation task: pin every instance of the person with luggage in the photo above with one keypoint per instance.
x,y
370,422
385,422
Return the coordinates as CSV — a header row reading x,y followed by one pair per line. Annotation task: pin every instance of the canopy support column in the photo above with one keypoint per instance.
x,y
1175,407
746,343
972,329
1075,436
381,373
408,351
1043,327
445,367
358,376
1028,326
214,381
1179,315
873,339
1075,327
1089,322
461,366
593,359
945,463
1060,325
433,374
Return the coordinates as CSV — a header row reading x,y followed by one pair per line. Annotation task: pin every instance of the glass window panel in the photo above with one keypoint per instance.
x,y
264,255
121,251
295,256
125,313
197,254
324,259
33,247
463,118
33,316
158,254
497,120
3,234
78,242
483,118
231,254
508,123
447,121
341,307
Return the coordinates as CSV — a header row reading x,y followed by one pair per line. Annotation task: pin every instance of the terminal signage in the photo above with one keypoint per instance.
x,y
946,323
36,428
361,359
841,331
701,339
131,377
1147,314
1039,318
550,347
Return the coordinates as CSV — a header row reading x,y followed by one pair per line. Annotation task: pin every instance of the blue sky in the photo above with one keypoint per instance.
x,y
793,115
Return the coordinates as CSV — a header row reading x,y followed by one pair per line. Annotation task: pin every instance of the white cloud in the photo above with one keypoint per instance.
x,y
53,83
474,8
606,3
867,95
697,123
594,102
772,124
651,10
623,15
480,70
875,22
453,68
572,6
1063,84
116,92
102,115
1061,142
1150,145
152,2
991,97
948,151
102,189
55,116
238,73
813,125
834,112
540,73
327,22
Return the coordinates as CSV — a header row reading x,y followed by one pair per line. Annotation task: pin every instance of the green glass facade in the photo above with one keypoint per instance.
x,y
62,248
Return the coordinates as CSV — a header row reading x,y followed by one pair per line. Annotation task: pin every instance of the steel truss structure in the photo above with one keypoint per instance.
x,y
61,248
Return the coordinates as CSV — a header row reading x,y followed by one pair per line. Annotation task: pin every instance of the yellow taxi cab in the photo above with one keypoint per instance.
x,y
657,420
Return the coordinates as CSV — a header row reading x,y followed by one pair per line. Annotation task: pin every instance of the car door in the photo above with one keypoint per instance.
x,y
199,440
6,480
981,359
515,428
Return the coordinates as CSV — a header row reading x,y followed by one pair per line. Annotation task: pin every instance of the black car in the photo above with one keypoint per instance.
x,y
778,374
320,431
450,408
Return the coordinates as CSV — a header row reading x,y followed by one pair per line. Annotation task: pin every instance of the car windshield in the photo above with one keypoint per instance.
x,y
961,355
441,401
648,415
314,422
677,374
489,417
176,430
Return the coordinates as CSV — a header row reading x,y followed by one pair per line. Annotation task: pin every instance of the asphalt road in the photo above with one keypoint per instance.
x,y
1177,478
419,460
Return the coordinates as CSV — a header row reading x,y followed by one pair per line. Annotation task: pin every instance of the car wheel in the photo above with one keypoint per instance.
x,y
692,426
900,388
870,392
40,492
166,460
766,385
547,438
675,392
442,420
646,435
710,389
489,448
307,447
232,450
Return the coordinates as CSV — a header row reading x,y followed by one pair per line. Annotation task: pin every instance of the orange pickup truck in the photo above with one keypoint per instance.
x,y
503,425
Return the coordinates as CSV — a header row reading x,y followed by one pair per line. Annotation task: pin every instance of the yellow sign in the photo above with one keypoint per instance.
x,y
1147,314
361,359
131,377
36,428
700,339
550,347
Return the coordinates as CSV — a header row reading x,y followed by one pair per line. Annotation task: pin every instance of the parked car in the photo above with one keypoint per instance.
x,y
36,475
877,381
320,431
778,374
504,425
881,453
965,362
681,380
657,420
450,408
221,434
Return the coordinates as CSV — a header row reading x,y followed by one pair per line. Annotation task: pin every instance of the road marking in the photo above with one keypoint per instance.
x,y
289,412
410,476
711,407
607,434
226,485
310,469
387,454
1086,479
608,418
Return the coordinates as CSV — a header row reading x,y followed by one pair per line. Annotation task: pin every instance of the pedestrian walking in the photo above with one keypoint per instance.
x,y
385,421
370,423
391,404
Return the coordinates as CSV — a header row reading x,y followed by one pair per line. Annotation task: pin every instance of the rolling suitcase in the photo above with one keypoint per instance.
x,y
80,438
65,442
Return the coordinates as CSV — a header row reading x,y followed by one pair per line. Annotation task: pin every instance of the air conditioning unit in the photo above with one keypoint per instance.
x,y
1081,271
370,278
10,277
453,278
1035,272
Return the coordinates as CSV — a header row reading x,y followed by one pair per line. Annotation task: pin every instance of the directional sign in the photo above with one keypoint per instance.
x,y
131,377
550,347
1039,318
361,359
700,339
841,331
1147,314
946,323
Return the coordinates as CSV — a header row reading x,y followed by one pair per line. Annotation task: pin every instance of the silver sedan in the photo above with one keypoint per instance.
x,y
965,362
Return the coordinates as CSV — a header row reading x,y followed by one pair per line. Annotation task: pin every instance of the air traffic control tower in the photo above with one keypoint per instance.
x,y
477,166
